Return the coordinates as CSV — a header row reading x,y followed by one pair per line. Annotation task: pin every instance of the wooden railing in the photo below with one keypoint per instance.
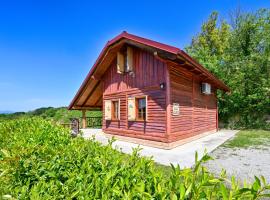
x,y
93,122
74,126
66,125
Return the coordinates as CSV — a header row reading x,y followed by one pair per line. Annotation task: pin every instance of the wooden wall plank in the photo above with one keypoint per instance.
x,y
148,74
148,71
197,111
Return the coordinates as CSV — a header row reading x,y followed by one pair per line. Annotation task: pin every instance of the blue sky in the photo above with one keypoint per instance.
x,y
47,47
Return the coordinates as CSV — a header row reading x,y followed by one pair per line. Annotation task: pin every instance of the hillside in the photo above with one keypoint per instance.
x,y
61,114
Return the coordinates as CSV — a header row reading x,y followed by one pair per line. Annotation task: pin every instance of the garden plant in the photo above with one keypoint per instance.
x,y
39,160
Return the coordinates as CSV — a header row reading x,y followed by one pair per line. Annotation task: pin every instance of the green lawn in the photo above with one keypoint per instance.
x,y
249,138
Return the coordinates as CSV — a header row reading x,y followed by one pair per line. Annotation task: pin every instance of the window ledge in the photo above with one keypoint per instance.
x,y
114,120
138,120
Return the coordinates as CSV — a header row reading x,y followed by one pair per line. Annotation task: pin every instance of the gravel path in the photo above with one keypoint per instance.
x,y
242,163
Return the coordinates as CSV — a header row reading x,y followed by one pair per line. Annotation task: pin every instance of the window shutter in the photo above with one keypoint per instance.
x,y
108,110
131,109
146,110
120,62
129,59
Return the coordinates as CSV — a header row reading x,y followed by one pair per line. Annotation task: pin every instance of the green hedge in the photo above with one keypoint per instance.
x,y
39,160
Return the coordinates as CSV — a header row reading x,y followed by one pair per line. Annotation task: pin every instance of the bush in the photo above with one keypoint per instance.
x,y
39,160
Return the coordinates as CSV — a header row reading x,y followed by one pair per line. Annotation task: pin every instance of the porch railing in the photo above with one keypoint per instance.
x,y
93,122
66,125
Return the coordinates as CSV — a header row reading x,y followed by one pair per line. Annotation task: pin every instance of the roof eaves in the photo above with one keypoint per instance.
x,y
144,41
123,35
91,71
198,65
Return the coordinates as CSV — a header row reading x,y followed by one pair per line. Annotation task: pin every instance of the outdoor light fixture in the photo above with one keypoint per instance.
x,y
162,85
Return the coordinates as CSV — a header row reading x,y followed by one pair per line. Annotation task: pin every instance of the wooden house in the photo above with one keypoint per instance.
x,y
150,93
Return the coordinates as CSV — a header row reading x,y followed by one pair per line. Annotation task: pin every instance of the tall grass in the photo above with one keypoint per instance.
x,y
39,160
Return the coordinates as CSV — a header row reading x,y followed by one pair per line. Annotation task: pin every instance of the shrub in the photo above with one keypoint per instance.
x,y
39,160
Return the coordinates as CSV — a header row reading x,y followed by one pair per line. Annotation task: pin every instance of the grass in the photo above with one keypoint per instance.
x,y
249,138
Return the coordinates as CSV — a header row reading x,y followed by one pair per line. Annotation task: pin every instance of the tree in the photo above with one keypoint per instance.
x,y
239,54
209,46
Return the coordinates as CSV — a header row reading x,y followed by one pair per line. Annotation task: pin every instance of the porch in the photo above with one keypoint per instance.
x,y
88,120
85,122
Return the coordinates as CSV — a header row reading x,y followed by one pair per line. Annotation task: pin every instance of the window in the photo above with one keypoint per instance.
x,y
141,108
137,108
125,60
115,110
129,60
112,109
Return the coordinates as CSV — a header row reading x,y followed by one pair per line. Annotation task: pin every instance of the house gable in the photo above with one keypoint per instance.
x,y
148,73
89,95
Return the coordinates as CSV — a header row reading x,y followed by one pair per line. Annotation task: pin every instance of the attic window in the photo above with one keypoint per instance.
x,y
206,88
125,60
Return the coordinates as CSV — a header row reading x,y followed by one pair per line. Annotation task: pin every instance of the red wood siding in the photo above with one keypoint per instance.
x,y
148,74
197,111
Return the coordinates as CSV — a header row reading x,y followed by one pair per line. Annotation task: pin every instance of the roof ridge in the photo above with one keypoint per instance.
x,y
147,41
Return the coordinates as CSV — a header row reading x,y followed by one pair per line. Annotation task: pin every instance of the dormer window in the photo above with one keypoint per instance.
x,y
125,60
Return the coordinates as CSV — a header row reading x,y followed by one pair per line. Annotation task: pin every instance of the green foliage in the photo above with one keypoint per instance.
x,y
39,160
61,115
239,54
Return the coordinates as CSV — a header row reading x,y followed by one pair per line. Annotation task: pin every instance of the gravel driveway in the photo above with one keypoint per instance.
x,y
242,163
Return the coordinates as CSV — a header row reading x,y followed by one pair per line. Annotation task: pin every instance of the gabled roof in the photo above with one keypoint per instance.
x,y
151,43
179,55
